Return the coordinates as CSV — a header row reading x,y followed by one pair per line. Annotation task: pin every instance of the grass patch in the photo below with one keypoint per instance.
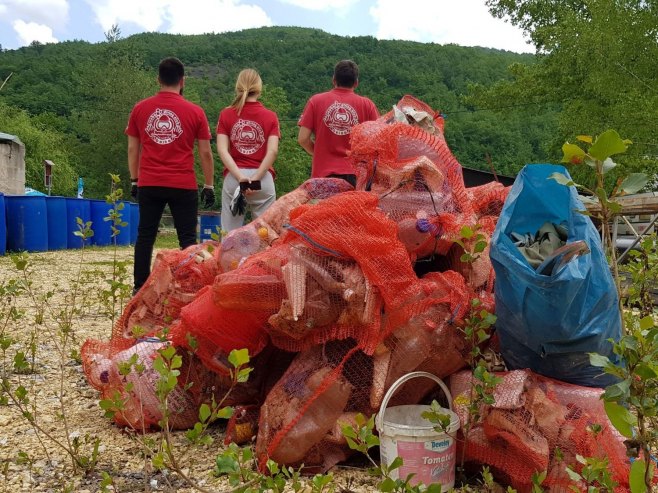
x,y
166,238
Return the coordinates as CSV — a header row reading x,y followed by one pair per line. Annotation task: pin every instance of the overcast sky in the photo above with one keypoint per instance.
x,y
463,22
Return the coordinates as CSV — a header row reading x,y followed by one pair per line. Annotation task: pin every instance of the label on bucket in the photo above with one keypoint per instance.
x,y
432,461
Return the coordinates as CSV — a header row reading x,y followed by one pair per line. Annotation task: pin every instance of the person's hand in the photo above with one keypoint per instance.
x,y
134,191
207,197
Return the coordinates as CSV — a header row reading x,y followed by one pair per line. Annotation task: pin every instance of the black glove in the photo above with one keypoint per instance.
x,y
238,203
207,197
134,191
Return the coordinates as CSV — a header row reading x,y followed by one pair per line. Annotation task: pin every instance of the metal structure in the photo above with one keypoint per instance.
x,y
48,174
643,207
635,205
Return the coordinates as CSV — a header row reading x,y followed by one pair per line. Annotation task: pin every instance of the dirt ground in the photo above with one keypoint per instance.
x,y
29,460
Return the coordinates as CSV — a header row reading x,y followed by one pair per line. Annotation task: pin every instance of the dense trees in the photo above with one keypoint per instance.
x,y
596,57
44,141
107,93
88,90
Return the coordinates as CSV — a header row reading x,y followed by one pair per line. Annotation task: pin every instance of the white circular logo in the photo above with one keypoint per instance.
x,y
163,126
340,118
247,136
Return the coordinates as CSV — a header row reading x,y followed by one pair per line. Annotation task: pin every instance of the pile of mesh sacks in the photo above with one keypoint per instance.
x,y
337,292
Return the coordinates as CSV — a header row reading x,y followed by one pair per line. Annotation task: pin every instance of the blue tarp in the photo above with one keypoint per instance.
x,y
32,191
550,323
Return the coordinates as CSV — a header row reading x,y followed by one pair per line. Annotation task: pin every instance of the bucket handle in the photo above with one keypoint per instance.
x,y
402,380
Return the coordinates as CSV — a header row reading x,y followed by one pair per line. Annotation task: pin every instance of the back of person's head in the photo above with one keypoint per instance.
x,y
248,84
346,73
171,71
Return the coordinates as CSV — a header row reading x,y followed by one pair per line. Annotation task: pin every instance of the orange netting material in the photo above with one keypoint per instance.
x,y
264,231
336,294
531,418
123,366
381,151
408,101
175,278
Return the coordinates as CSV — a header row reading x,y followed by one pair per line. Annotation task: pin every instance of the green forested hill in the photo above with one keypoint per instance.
x,y
83,93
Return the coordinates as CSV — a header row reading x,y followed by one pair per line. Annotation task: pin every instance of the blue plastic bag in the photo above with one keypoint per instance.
x,y
550,323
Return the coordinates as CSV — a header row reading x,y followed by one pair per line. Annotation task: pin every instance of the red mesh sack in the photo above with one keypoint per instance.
x,y
380,151
488,199
479,274
265,230
216,331
419,183
533,415
424,336
350,225
131,375
300,299
421,202
313,189
410,102
302,414
175,278
241,243
306,298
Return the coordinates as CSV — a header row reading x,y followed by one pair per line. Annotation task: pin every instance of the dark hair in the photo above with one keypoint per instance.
x,y
171,71
346,73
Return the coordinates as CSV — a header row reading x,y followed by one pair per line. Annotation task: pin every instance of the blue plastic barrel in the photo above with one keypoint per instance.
x,y
99,210
27,223
123,238
3,226
209,222
134,222
56,211
76,208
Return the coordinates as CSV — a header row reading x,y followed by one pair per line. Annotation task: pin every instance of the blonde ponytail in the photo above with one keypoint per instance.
x,y
248,84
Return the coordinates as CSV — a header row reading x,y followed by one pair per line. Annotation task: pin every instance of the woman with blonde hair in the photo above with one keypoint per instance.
x,y
247,143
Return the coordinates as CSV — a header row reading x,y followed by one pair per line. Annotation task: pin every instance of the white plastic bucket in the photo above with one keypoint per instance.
x,y
428,454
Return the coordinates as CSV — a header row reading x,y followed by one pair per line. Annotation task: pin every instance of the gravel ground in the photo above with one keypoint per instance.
x,y
65,407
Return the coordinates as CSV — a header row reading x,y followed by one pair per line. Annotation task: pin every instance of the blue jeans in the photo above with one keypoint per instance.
x,y
183,205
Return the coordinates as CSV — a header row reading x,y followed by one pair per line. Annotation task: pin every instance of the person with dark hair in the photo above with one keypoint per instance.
x,y
247,143
162,131
327,120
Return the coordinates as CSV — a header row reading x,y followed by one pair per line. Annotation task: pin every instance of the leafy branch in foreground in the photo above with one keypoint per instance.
x,y
631,403
58,324
476,329
604,206
361,437
118,289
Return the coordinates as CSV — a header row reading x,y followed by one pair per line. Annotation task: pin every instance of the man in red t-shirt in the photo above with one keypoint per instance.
x,y
329,117
161,134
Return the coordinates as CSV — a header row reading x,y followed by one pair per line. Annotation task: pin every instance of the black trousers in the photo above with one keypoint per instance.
x,y
184,206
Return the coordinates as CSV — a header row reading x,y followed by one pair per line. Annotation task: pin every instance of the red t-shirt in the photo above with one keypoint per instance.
x,y
331,116
167,126
248,133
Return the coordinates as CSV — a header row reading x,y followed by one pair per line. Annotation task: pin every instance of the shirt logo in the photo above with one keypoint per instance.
x,y
247,136
163,126
340,118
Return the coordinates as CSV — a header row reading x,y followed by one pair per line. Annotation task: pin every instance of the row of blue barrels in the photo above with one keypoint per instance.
x,y
40,223
209,225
